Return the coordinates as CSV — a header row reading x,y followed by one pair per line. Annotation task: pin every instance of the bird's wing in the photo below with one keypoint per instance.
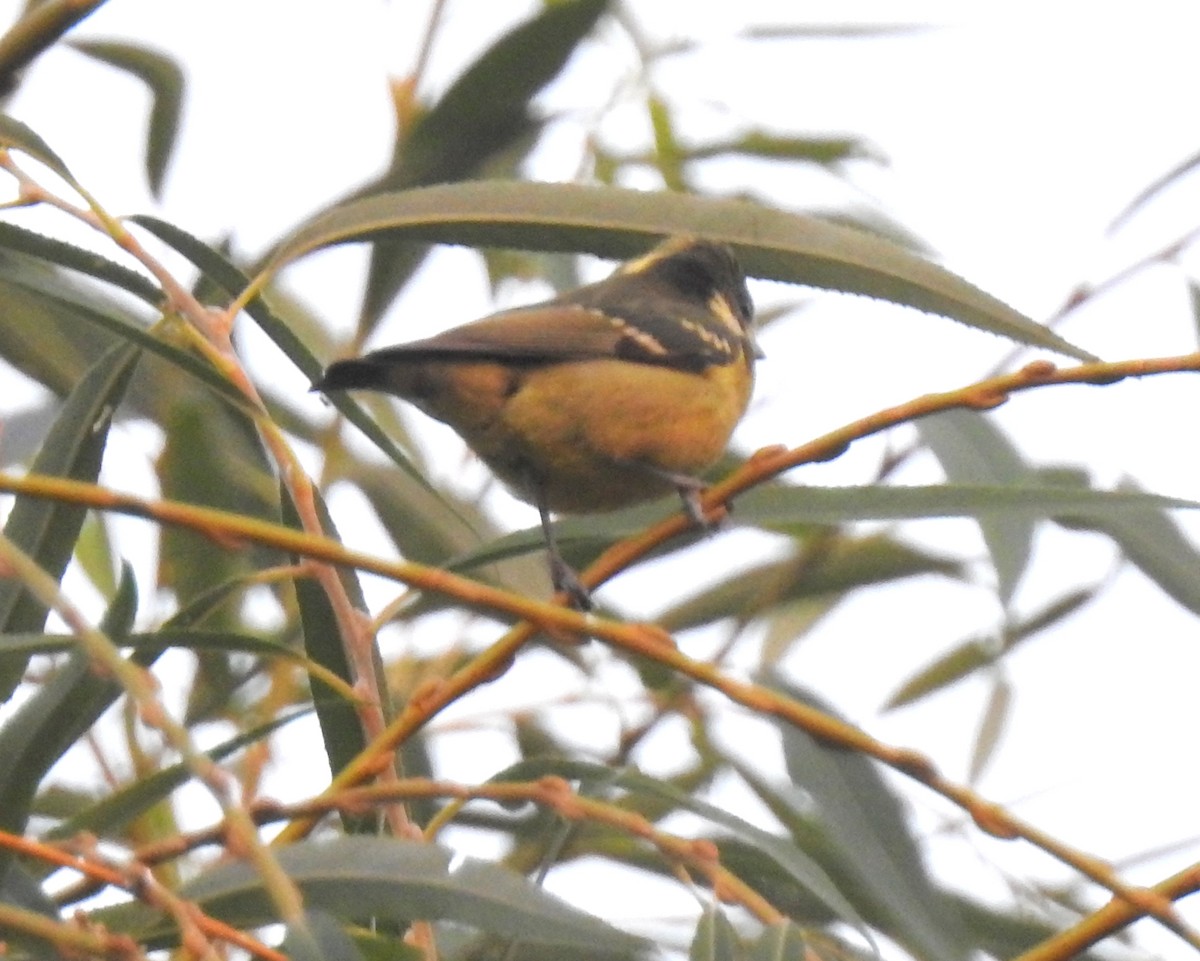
x,y
556,332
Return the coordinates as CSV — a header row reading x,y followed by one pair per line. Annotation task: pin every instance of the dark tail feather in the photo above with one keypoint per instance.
x,y
352,375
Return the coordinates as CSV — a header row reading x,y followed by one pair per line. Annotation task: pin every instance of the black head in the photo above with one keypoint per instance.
x,y
696,270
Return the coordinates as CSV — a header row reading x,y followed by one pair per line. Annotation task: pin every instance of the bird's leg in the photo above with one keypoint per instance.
x,y
690,488
562,575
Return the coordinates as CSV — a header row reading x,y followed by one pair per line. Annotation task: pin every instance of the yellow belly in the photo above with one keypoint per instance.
x,y
584,430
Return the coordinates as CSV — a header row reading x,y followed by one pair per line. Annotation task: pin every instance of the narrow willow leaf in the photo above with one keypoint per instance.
x,y
971,655
485,113
1155,187
848,563
615,222
223,273
18,887
809,31
319,938
393,880
973,450
95,554
86,695
957,663
25,643
1152,541
1194,300
424,524
668,155
867,825
819,150
213,456
991,728
780,942
381,946
47,530
39,27
164,78
80,259
36,736
341,727
19,890
47,339
16,136
769,507
488,107
715,939
54,327
800,867
1009,933
111,815
579,538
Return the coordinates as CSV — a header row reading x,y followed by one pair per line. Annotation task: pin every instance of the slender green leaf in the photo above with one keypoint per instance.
x,y
611,221
213,456
383,946
113,813
164,78
54,328
780,942
47,530
226,275
867,825
20,891
669,155
319,938
801,869
957,663
485,113
80,259
424,524
26,643
579,538
969,656
770,507
848,563
972,450
38,28
14,135
396,881
991,727
1155,187
1001,933
715,939
769,146
46,338
341,727
1194,300
809,31
488,107
96,556
1151,540
46,726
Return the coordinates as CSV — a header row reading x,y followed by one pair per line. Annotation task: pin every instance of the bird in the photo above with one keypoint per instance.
x,y
608,395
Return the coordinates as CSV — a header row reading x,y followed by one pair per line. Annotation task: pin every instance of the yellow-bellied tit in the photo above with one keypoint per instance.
x,y
611,394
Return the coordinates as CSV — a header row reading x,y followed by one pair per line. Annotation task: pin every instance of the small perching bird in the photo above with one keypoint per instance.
x,y
605,396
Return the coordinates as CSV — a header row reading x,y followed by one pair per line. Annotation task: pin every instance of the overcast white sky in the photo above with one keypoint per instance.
x,y
1014,133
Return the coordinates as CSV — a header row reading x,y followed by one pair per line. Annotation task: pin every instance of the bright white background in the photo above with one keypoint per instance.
x,y
1013,134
